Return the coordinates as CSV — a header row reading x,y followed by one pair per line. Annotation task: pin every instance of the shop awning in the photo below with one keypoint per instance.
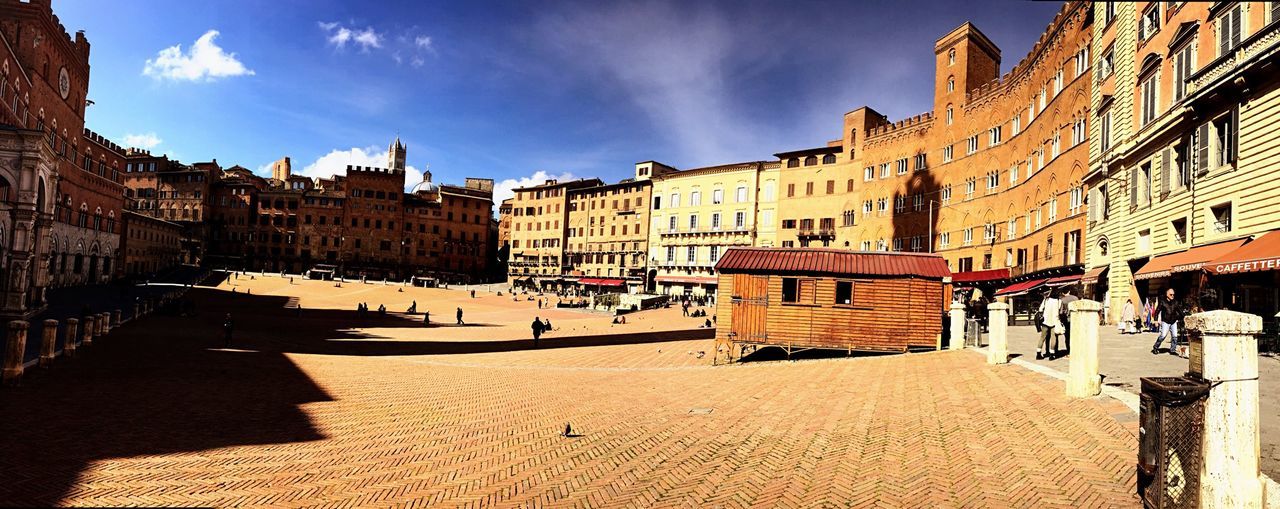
x,y
1062,281
601,282
979,276
1189,260
1094,274
1016,289
1260,255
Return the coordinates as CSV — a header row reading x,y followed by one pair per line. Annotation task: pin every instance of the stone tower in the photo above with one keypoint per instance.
x,y
395,155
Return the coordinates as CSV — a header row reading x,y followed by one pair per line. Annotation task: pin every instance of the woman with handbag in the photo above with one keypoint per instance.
x,y
1050,308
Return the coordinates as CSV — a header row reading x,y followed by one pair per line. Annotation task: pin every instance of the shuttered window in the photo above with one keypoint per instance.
x,y
799,291
1183,66
1229,30
1166,177
1200,147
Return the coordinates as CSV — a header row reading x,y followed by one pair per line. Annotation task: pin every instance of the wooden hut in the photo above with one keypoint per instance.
x,y
805,298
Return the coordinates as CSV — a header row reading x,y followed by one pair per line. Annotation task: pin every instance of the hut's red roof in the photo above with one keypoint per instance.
x,y
831,261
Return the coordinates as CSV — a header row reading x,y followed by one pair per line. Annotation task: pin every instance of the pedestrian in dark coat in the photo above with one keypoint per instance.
x,y
460,317
227,325
537,330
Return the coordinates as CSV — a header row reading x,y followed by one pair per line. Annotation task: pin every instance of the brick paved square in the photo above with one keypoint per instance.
x,y
159,413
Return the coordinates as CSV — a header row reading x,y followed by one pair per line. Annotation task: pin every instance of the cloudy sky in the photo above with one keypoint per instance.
x,y
515,91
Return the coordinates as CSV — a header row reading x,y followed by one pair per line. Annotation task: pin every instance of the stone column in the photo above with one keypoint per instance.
x,y
69,337
1082,373
998,325
137,311
1224,352
115,318
16,346
49,343
104,323
957,326
90,329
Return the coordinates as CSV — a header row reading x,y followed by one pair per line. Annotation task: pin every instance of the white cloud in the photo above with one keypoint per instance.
x,y
506,188
676,64
146,141
336,161
339,36
205,60
423,42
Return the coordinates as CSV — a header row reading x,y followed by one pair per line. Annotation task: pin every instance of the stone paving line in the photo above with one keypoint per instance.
x,y
190,422
1125,358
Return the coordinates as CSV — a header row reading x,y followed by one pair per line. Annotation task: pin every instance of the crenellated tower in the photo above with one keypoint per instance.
x,y
396,155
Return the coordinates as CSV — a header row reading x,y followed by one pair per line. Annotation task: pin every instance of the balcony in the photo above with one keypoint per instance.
x,y
706,230
1253,52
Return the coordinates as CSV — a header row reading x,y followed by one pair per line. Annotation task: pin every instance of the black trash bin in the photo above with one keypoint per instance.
x,y
1171,426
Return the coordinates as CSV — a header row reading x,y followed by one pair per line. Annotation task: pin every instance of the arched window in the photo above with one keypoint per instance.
x,y
950,115
810,161
951,56
829,159
793,163
951,84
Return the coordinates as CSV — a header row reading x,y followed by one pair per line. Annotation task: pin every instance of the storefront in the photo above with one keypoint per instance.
x,y
1180,271
1247,279
1023,299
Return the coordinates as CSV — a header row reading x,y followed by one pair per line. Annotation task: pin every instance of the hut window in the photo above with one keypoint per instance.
x,y
844,292
798,291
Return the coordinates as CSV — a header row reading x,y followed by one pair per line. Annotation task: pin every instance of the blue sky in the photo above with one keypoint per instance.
x,y
509,89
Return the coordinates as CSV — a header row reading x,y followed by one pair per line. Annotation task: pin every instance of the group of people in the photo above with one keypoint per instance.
x,y
363,309
540,326
1053,323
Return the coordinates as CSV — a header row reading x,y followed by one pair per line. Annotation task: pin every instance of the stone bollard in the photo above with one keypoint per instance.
x,y
90,329
69,337
1082,369
49,343
1224,352
957,326
998,339
17,345
137,311
115,318
104,322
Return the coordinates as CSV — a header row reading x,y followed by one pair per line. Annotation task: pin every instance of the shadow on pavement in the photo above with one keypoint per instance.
x,y
140,391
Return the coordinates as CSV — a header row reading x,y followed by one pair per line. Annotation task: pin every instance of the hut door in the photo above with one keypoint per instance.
x,y
750,307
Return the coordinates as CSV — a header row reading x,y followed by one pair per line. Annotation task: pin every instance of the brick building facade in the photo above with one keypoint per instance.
x,y
538,231
607,238
60,183
148,245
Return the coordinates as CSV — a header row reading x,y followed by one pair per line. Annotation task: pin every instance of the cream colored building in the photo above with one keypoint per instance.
x,y
699,213
1184,154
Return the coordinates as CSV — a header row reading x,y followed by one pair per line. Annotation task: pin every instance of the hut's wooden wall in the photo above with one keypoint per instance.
x,y
886,313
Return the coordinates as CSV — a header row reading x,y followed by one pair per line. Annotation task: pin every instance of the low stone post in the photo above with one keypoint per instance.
x,y
137,311
69,336
48,343
90,329
998,339
957,326
1224,352
104,323
17,345
1082,370
115,318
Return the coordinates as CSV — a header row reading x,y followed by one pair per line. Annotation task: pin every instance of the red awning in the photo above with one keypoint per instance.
x,y
1093,274
601,282
978,276
1189,260
1020,288
1063,281
1260,255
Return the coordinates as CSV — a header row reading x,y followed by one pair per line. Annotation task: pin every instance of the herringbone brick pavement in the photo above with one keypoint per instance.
x,y
154,417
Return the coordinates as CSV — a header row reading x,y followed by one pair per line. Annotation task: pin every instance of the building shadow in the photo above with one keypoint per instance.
x,y
917,222
143,391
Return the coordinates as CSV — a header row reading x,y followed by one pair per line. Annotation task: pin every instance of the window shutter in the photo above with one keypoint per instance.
x,y
1165,175
1233,137
1133,187
1202,149
1236,14
1224,34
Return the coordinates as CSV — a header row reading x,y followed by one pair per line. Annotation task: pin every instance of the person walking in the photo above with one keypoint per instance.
x,y
1050,319
1127,315
227,325
1170,311
473,294
426,317
460,316
537,330
1068,296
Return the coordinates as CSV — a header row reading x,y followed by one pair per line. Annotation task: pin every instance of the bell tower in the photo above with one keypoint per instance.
x,y
395,155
